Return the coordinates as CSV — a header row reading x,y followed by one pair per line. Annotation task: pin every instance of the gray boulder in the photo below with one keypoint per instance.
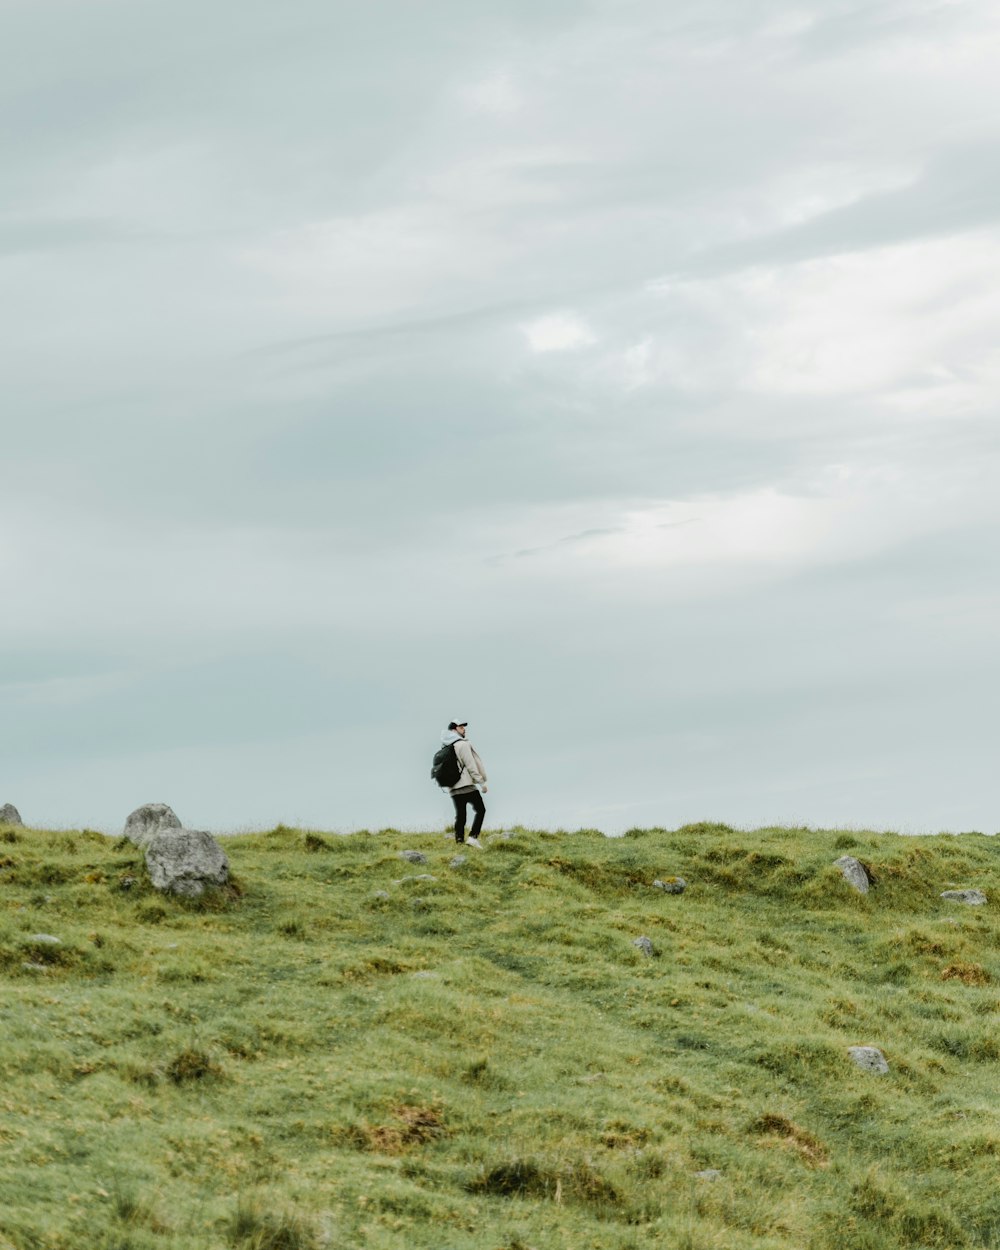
x,y
413,857
9,815
185,861
672,885
870,1058
974,898
148,820
643,944
853,872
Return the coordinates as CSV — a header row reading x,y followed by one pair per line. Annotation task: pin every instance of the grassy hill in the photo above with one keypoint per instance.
x,y
333,1054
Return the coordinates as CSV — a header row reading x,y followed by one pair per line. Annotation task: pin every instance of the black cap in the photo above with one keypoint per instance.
x,y
454,724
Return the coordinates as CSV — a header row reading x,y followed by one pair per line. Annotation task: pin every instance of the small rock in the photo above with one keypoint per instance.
x,y
870,1058
643,944
419,904
414,876
974,898
414,857
33,967
184,861
709,1174
147,821
9,815
458,860
381,894
672,885
47,939
853,872
424,976
127,883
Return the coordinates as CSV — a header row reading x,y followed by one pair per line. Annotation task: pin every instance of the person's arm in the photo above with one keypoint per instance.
x,y
471,762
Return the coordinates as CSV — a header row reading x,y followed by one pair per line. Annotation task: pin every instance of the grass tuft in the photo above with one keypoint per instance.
x,y
252,1228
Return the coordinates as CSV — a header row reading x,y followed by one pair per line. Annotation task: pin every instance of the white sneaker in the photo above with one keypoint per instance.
x,y
474,842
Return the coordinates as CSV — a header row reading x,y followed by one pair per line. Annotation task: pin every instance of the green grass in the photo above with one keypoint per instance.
x,y
484,1061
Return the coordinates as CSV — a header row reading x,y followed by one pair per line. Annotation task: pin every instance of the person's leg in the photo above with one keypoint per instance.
x,y
460,801
479,806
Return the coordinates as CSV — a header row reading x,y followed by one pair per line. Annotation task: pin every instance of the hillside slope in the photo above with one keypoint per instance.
x,y
337,1053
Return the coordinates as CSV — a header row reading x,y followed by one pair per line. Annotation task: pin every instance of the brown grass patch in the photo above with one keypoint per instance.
x,y
410,1126
968,974
787,1133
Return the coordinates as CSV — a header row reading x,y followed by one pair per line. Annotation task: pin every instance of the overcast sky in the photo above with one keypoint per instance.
x,y
619,376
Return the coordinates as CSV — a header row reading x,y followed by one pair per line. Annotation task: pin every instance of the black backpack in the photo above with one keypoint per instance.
x,y
445,767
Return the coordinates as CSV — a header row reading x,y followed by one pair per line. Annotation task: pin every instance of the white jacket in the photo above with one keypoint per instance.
x,y
473,772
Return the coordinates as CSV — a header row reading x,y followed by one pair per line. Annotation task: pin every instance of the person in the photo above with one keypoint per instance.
x,y
465,792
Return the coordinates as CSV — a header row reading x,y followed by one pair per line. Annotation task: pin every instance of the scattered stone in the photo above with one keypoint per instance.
x,y
974,898
424,976
419,904
127,883
458,861
381,894
9,815
853,872
184,861
145,822
870,1058
414,857
672,885
47,939
414,876
709,1174
643,944
33,967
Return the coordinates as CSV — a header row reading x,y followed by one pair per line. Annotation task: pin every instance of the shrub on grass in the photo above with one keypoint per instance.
x,y
252,1228
534,1178
192,1065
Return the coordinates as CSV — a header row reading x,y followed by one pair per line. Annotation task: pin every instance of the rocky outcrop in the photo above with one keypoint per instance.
x,y
870,1058
148,820
853,872
185,861
671,885
9,815
974,898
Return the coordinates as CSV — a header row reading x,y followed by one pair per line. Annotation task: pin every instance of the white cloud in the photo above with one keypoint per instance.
x,y
558,332
495,95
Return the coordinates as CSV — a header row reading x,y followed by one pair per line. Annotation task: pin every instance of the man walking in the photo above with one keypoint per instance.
x,y
465,792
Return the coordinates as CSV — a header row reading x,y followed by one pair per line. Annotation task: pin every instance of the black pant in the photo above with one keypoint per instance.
x,y
462,801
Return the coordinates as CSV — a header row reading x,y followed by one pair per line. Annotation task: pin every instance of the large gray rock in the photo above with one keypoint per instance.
x,y
9,815
870,1058
150,819
975,898
853,872
185,861
672,885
